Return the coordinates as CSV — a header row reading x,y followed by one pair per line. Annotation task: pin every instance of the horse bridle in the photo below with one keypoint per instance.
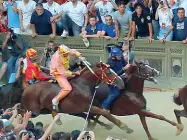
x,y
103,72
145,76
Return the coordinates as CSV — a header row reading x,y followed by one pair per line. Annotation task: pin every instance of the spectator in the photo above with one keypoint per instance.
x,y
40,22
104,8
25,10
3,22
141,24
3,66
146,6
91,12
174,5
127,53
93,30
16,46
183,4
123,18
13,17
109,30
86,135
165,16
75,17
155,22
75,134
54,8
179,26
49,50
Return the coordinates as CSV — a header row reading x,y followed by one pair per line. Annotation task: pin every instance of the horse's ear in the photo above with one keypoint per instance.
x,y
135,63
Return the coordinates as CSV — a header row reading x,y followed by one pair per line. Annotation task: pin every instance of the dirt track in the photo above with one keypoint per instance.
x,y
158,102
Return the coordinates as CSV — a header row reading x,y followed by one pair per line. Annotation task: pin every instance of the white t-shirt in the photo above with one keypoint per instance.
x,y
164,17
104,10
175,6
76,13
54,8
27,10
183,3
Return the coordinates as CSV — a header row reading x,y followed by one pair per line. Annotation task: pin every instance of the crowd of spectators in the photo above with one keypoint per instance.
x,y
129,19
14,126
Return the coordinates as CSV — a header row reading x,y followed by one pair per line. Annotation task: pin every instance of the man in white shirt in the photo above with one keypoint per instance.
x,y
25,10
75,17
104,7
54,8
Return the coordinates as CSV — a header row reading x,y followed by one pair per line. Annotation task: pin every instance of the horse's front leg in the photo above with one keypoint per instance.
x,y
160,117
143,121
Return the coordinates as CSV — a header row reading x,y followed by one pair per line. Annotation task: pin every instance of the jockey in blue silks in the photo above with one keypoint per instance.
x,y
119,65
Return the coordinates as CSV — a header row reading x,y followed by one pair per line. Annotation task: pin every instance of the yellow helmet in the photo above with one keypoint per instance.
x,y
63,50
30,52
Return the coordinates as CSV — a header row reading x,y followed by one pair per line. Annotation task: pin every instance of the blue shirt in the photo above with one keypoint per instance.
x,y
110,30
117,65
42,23
180,29
91,31
13,17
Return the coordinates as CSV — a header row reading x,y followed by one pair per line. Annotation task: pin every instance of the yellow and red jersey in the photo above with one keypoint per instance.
x,y
33,71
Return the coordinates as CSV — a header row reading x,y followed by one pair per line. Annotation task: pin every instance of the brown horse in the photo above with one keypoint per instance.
x,y
132,100
181,99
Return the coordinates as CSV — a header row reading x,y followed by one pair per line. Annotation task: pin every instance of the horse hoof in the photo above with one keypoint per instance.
x,y
152,138
125,127
129,130
59,122
180,128
108,126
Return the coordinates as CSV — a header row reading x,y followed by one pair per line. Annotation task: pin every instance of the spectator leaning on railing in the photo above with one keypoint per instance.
x,y
124,18
179,26
141,24
109,30
75,17
40,22
54,8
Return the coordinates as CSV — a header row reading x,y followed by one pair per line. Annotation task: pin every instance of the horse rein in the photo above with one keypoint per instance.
x,y
103,73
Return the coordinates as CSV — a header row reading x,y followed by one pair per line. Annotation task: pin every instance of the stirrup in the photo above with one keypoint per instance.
x,y
56,108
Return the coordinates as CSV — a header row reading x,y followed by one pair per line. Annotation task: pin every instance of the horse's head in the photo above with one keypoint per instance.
x,y
144,71
106,75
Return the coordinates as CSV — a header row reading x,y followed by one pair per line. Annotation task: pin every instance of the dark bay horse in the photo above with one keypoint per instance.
x,y
181,99
132,100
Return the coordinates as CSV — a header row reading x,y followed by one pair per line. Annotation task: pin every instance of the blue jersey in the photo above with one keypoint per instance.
x,y
117,65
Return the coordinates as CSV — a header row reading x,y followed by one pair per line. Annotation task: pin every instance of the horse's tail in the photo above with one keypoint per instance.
x,y
176,99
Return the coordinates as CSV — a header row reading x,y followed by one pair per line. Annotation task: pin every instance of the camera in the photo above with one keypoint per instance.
x,y
27,133
12,34
161,2
87,136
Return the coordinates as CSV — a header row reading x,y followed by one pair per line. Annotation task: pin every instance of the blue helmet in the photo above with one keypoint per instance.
x,y
116,51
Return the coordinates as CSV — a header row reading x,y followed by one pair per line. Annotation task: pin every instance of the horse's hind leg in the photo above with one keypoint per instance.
x,y
160,117
143,121
178,114
111,118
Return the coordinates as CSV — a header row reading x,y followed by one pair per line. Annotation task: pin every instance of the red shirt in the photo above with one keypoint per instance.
x,y
33,71
3,27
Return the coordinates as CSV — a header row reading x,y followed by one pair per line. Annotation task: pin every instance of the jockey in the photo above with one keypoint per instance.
x,y
31,69
119,65
59,68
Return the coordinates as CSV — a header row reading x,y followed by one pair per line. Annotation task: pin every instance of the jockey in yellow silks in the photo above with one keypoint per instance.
x,y
59,68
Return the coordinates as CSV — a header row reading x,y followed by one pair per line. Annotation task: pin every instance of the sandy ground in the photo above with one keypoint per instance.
x,y
158,102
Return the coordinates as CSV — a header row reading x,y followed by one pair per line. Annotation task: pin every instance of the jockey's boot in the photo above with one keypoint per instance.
x,y
59,97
